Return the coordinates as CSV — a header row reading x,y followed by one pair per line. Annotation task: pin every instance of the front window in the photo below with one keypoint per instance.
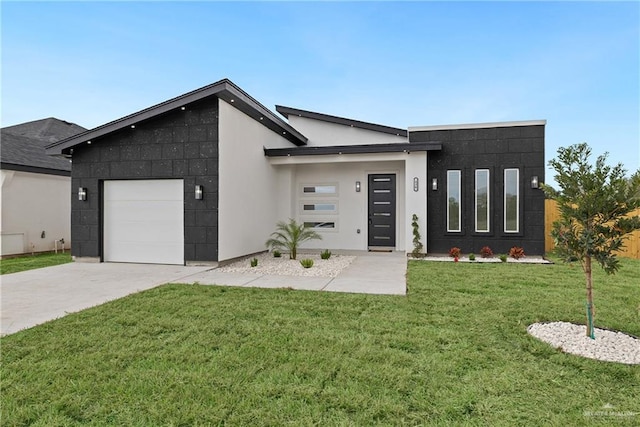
x,y
320,224
318,205
453,201
511,201
482,200
319,189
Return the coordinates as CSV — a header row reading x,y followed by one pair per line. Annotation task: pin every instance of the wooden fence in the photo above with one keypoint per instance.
x,y
631,245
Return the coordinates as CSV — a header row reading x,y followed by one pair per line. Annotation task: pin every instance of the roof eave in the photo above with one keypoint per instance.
x,y
353,149
478,125
234,95
35,169
223,89
286,111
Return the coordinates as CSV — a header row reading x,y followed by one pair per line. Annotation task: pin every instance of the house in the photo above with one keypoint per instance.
x,y
205,176
35,202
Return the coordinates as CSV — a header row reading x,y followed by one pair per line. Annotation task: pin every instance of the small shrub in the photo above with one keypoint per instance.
x,y
254,262
417,244
277,254
516,252
326,254
486,252
289,236
306,263
454,252
472,257
503,258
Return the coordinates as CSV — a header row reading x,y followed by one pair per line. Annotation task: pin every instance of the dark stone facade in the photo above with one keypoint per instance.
x,y
495,149
180,144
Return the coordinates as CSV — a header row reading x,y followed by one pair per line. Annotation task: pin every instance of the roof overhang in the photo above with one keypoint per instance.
x,y
223,89
34,169
287,111
479,125
353,149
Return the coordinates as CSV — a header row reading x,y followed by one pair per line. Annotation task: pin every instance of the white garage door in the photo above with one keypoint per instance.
x,y
143,221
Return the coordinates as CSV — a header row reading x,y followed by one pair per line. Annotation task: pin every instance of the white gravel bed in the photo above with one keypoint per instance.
x,y
479,259
608,346
283,266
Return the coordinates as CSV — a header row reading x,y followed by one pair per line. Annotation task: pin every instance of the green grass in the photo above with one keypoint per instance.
x,y
454,351
29,262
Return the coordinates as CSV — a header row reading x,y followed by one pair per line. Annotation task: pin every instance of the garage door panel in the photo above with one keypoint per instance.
x,y
144,221
149,253
145,189
146,232
137,211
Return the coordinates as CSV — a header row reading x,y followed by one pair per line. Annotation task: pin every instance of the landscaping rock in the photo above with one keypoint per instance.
x,y
268,265
609,346
480,260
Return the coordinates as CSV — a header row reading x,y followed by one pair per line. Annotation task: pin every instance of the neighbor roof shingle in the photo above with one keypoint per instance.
x,y
22,146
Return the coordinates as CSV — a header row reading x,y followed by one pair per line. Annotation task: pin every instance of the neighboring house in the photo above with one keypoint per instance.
x,y
204,177
35,201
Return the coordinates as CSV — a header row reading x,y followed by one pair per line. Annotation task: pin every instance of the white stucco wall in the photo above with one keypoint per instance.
x,y
416,201
352,214
252,192
256,191
31,204
321,133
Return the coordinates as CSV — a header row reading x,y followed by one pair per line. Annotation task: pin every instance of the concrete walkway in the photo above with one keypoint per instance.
x,y
33,297
369,273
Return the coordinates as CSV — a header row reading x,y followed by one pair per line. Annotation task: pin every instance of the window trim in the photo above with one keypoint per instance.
x,y
504,216
488,180
449,174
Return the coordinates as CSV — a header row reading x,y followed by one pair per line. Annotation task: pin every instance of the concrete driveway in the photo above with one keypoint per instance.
x,y
33,297
37,296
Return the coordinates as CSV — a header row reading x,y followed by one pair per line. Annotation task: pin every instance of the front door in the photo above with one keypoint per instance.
x,y
382,211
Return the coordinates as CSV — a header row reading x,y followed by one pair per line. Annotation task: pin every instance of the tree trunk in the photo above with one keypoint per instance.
x,y
590,310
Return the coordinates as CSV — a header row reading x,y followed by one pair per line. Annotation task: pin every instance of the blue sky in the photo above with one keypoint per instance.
x,y
575,64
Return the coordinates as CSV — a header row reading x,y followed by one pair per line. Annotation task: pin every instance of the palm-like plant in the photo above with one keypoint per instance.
x,y
288,236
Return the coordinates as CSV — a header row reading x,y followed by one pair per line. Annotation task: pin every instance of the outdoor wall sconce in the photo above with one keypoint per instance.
x,y
82,194
357,186
434,184
534,182
198,192
416,183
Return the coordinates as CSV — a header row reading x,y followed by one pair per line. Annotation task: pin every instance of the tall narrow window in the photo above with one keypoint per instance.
x,y
453,201
482,200
511,201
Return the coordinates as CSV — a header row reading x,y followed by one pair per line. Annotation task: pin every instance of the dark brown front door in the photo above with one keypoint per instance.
x,y
382,210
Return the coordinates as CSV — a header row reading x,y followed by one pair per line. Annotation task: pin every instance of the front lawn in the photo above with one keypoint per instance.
x,y
29,262
454,351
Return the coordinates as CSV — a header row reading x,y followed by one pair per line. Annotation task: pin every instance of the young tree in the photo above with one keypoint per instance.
x,y
594,203
289,236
